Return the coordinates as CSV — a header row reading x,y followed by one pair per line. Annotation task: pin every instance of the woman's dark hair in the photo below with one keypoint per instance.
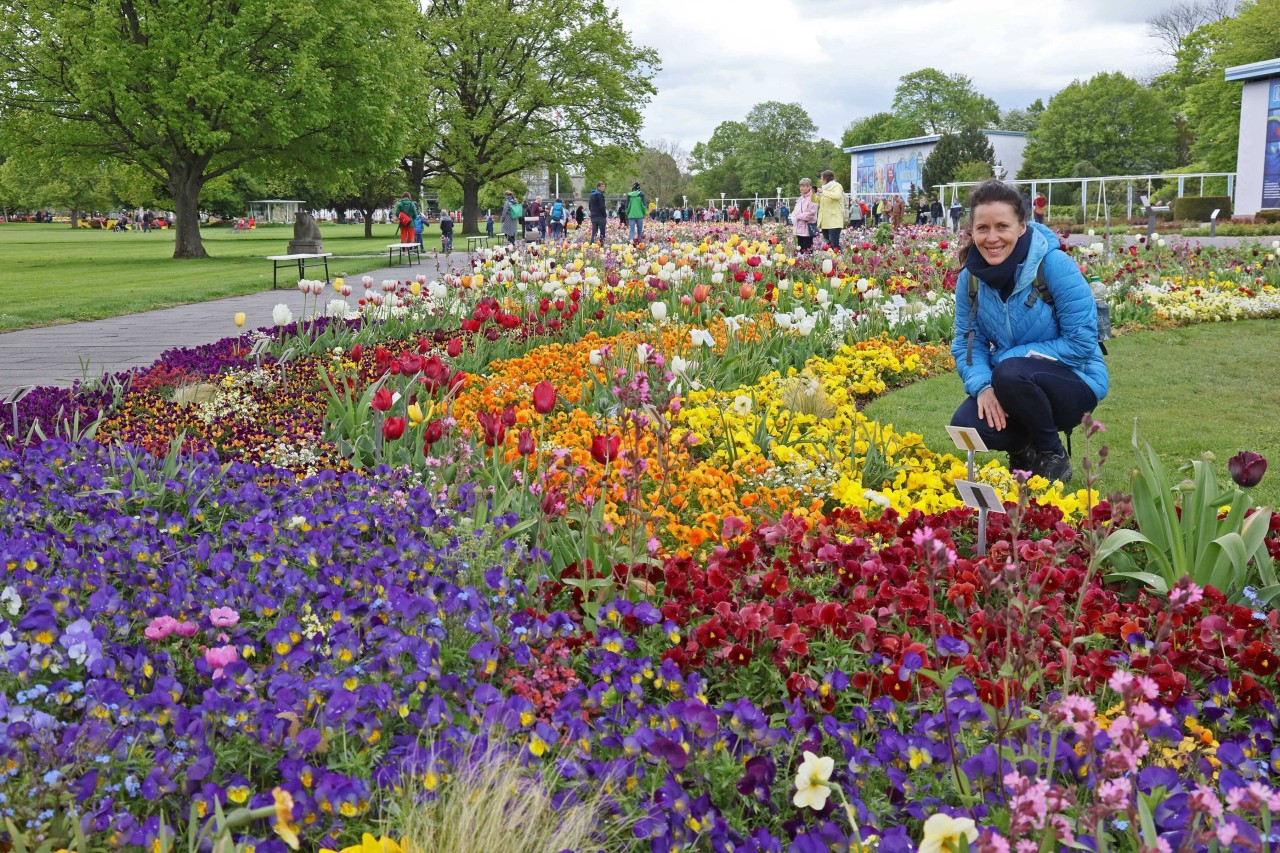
x,y
990,192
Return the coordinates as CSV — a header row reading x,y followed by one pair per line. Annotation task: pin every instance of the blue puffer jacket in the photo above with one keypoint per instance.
x,y
1068,331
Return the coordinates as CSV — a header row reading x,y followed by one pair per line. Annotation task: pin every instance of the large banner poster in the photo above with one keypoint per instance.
x,y
887,172
1271,155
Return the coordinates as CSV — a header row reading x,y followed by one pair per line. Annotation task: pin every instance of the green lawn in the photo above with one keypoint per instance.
x,y
1206,387
52,274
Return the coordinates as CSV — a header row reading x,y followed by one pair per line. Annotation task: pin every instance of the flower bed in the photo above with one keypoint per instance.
x,y
614,518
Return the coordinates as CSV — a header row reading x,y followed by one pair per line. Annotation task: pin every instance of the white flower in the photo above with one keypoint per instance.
x,y
783,321
717,278
805,326
659,311
827,266
811,782
436,290
701,337
742,405
872,496
296,521
823,296
11,600
281,315
1092,232
943,832
596,358
679,365
734,323
1161,243
643,351
799,314
836,282
863,284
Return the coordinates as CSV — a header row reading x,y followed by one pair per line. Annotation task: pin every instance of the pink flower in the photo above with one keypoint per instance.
x,y
186,629
1114,794
224,617
219,657
1205,799
160,628
1227,833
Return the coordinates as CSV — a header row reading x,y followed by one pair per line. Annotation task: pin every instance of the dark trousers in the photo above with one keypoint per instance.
x,y
1041,399
832,236
597,229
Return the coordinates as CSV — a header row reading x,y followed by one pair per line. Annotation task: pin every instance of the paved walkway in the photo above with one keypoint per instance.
x,y
53,355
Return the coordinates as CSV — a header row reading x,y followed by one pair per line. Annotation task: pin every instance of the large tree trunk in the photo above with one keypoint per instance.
x,y
470,205
75,218
368,222
185,183
340,210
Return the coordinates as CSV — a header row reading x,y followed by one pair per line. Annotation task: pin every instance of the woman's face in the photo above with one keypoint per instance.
x,y
804,189
996,230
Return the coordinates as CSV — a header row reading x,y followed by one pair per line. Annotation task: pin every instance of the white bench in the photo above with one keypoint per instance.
x,y
410,249
301,261
481,242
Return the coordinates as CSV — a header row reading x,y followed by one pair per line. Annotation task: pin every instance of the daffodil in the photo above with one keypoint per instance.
x,y
811,782
369,844
942,833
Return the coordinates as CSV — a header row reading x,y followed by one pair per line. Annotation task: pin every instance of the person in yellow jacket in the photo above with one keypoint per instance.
x,y
830,197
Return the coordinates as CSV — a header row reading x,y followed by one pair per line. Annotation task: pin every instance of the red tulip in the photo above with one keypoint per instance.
x,y
433,433
381,400
753,261
509,416
701,293
747,291
1247,468
357,352
410,363
454,348
525,443
492,426
544,397
393,428
604,448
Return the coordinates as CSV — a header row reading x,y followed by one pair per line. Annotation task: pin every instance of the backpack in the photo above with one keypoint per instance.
x,y
557,211
1040,290
517,210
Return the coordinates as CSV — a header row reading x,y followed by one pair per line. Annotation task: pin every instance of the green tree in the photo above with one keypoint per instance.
x,y
1212,104
778,137
821,154
188,90
80,186
716,163
973,170
880,127
1111,121
942,103
517,84
954,150
1023,120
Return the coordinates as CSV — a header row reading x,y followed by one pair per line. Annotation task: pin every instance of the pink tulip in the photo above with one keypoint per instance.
x,y
160,628
224,617
220,657
186,629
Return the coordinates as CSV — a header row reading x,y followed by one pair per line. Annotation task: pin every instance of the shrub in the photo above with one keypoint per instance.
x,y
1200,208
1271,214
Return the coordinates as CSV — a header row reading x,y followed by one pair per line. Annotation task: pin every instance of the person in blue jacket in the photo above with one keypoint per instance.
x,y
1030,368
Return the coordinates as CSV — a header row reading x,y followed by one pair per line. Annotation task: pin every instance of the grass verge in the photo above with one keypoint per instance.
x,y
1191,389
53,274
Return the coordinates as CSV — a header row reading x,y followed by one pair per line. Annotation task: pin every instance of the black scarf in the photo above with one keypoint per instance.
x,y
1002,276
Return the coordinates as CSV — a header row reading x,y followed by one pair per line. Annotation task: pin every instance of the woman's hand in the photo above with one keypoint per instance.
x,y
990,410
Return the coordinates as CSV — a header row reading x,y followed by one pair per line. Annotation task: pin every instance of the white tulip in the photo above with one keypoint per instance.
x,y
863,284
827,266
596,358
659,311
823,296
783,321
800,313
701,337
678,364
643,351
282,315
806,326
717,278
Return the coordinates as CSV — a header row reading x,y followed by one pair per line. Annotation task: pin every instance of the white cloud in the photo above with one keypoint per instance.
x,y
841,59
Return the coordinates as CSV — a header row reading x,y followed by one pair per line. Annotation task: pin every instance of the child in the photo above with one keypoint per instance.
x,y
419,223
446,232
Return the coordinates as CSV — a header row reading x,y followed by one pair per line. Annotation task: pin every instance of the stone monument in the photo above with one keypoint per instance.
x,y
306,236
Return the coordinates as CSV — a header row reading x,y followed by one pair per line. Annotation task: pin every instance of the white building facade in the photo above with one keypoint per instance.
x,y
892,168
1258,154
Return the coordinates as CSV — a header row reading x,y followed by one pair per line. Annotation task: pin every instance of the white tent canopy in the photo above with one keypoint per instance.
x,y
281,210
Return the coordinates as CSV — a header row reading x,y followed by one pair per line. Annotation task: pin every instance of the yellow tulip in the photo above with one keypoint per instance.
x,y
239,319
416,288
415,414
337,282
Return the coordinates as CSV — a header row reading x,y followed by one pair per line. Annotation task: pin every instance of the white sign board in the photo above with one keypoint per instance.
x,y
1213,217
979,496
966,438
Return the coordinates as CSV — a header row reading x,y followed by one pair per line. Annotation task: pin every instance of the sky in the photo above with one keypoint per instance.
x,y
841,59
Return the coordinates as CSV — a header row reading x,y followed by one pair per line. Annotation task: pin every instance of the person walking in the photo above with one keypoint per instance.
x,y
855,213
956,210
488,223
446,232
831,209
1026,341
512,217
805,217
1040,206
636,205
935,211
599,213
405,213
558,218
895,212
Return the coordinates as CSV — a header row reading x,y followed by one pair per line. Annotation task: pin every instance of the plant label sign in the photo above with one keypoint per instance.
x,y
966,438
979,496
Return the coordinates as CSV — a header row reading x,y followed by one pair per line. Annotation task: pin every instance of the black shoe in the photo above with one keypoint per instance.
x,y
1053,465
1022,460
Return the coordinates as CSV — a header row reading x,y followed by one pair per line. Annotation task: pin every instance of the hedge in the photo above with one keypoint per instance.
x,y
1200,208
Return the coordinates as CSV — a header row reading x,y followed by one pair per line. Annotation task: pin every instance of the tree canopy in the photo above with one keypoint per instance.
x,y
942,103
517,84
1111,121
188,90
953,151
